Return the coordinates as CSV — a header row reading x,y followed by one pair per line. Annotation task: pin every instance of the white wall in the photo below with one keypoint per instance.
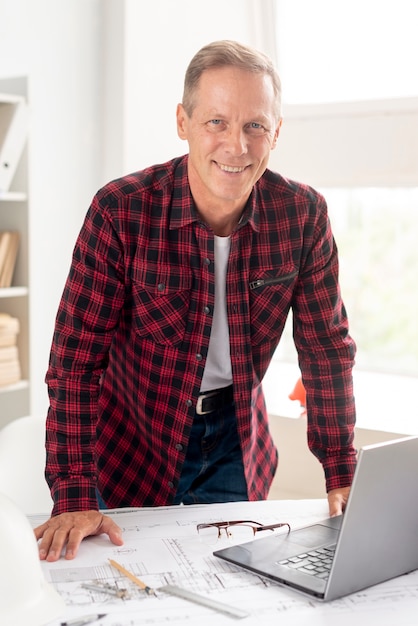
x,y
104,80
155,41
58,46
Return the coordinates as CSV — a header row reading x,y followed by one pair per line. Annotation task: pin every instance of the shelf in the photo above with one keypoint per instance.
x,y
22,384
13,292
15,399
13,196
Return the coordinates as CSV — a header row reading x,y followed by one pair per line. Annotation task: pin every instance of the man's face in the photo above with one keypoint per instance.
x,y
230,133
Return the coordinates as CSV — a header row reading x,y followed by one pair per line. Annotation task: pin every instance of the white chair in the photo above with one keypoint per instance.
x,y
22,464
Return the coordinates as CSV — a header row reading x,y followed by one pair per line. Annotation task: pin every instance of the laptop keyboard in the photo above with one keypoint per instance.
x,y
316,562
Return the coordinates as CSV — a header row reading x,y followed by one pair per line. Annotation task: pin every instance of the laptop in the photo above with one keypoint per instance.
x,y
376,538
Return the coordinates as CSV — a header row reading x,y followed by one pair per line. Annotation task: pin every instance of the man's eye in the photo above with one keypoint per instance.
x,y
255,128
216,125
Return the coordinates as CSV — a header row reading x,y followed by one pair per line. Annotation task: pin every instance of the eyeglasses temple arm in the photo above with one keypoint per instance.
x,y
273,526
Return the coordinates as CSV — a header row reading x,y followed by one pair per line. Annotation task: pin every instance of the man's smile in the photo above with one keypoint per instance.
x,y
234,169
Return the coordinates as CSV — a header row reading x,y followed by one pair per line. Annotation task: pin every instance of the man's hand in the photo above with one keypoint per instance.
x,y
337,499
69,529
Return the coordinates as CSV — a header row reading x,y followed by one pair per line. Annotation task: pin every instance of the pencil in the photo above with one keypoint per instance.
x,y
131,577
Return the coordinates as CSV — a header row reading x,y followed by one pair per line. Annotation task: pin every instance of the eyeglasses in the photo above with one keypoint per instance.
x,y
237,530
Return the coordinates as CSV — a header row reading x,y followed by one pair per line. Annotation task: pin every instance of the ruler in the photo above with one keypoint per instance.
x,y
231,611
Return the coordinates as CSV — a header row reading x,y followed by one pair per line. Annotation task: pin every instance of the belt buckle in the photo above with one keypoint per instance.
x,y
200,399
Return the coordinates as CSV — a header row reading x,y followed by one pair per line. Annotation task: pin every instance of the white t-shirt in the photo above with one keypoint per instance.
x,y
218,371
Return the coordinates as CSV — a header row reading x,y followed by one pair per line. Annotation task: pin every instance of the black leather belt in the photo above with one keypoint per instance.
x,y
210,401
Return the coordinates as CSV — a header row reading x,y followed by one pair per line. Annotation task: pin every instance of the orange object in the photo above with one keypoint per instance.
x,y
299,392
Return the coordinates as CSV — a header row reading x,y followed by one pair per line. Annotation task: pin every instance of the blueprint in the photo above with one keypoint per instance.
x,y
162,546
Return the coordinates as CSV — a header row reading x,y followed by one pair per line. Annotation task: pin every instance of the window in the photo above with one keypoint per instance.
x,y
330,51
376,233
332,61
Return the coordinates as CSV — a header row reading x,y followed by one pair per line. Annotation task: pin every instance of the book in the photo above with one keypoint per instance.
x,y
10,372
9,329
4,244
9,245
8,353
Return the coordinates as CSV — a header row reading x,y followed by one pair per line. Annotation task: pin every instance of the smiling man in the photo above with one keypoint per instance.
x,y
181,281
231,123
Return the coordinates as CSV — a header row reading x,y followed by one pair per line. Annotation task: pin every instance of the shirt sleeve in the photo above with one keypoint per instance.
x,y
326,353
87,315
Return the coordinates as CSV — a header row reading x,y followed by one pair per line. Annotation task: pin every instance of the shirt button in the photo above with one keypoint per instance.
x,y
206,310
189,402
170,484
161,287
198,357
206,261
179,447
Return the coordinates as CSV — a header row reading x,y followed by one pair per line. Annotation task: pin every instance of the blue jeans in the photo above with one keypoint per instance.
x,y
213,469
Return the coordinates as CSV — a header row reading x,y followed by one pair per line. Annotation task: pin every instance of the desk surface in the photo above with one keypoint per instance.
x,y
162,546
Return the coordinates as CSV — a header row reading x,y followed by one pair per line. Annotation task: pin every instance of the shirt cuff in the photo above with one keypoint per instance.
x,y
74,494
339,471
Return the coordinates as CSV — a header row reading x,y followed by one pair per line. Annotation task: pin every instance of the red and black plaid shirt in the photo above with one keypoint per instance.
x,y
132,334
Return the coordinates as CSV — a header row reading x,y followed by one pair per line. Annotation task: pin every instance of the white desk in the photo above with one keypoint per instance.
x,y
162,546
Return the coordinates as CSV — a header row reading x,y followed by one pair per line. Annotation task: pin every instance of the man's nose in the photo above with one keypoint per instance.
x,y
236,141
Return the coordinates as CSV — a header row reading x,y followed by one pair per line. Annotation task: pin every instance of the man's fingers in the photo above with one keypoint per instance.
x,y
45,547
66,532
337,500
110,528
75,537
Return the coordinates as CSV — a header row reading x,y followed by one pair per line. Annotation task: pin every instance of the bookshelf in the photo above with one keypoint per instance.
x,y
14,216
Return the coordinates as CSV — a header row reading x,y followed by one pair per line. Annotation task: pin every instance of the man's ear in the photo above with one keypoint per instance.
x,y
276,133
182,118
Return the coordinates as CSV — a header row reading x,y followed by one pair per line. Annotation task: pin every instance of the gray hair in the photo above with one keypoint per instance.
x,y
227,53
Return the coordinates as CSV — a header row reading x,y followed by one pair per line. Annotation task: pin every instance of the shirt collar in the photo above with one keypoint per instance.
x,y
183,211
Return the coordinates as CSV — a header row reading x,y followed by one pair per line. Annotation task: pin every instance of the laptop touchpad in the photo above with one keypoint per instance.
x,y
308,538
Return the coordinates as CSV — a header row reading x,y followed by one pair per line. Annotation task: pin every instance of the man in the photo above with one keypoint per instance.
x,y
181,281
